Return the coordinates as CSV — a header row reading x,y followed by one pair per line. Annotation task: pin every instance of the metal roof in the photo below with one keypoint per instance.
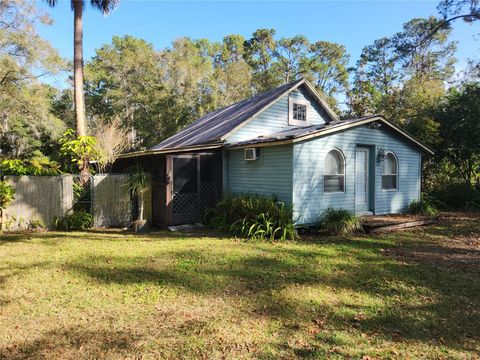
x,y
213,127
211,130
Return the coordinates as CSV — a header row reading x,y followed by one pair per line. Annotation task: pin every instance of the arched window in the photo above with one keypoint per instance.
x,y
334,172
390,172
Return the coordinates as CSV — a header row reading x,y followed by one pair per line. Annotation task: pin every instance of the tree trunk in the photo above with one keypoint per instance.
x,y
78,78
78,66
140,203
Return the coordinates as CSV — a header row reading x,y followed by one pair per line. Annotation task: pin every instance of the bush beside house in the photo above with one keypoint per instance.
x,y
253,217
339,222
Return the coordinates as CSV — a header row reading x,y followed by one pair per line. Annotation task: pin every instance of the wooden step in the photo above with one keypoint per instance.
x,y
369,229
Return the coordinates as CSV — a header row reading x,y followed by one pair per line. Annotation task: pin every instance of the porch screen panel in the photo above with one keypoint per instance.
x,y
185,185
210,176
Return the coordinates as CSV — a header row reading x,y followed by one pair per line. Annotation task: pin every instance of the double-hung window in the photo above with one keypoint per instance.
x,y
390,172
334,172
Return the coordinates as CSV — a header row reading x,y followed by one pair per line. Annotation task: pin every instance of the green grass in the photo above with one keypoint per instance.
x,y
90,295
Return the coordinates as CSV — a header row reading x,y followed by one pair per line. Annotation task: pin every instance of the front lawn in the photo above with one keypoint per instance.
x,y
411,294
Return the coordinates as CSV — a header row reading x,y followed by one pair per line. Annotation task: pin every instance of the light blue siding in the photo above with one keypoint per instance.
x,y
275,118
309,198
270,175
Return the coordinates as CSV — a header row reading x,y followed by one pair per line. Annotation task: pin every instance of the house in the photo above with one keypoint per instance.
x,y
286,143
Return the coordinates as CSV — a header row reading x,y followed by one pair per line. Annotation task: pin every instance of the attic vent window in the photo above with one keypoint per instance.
x,y
298,112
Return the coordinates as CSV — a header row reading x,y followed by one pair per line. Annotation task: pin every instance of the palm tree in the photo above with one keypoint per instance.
x,y
139,185
105,6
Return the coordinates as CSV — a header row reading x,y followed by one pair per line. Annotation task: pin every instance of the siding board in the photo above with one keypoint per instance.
x,y
270,175
308,197
275,118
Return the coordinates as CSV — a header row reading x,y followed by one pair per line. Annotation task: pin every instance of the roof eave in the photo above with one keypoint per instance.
x,y
323,132
321,100
270,142
368,120
172,150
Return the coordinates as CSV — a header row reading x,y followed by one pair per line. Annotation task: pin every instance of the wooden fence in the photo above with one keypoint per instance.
x,y
39,200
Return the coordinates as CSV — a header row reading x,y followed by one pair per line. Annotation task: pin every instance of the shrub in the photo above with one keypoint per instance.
x,y
79,220
82,195
36,166
422,207
339,222
44,166
79,150
7,194
36,224
456,196
253,217
13,167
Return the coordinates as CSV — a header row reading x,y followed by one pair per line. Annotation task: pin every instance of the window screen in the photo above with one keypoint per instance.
x,y
185,175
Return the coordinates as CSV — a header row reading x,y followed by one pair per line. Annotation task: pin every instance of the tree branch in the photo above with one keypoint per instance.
x,y
444,23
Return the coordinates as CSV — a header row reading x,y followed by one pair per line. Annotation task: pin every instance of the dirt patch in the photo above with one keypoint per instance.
x,y
453,242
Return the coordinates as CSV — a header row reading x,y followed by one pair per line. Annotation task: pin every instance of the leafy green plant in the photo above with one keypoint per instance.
x,y
82,194
455,196
36,224
7,195
36,166
13,167
7,222
138,185
79,150
44,166
339,222
422,207
79,220
253,217
79,191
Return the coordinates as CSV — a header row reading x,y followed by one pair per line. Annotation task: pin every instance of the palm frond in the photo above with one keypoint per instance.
x,y
105,6
51,3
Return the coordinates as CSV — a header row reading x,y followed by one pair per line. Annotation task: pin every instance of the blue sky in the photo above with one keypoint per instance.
x,y
354,24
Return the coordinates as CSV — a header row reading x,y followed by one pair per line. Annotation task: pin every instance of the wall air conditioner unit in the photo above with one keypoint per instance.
x,y
251,154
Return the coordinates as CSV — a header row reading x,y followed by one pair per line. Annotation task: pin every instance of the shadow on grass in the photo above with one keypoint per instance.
x,y
11,270
54,238
421,302
418,301
63,343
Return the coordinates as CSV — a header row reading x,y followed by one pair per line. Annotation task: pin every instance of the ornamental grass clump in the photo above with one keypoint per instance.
x,y
340,222
422,207
78,221
253,217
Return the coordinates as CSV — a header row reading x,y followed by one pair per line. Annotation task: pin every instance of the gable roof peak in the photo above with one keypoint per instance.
x,y
215,126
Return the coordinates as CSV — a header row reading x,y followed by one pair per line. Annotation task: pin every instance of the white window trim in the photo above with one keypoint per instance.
x,y
344,172
291,120
383,170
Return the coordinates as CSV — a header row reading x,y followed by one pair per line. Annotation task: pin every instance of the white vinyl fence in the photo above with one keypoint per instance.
x,y
39,200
